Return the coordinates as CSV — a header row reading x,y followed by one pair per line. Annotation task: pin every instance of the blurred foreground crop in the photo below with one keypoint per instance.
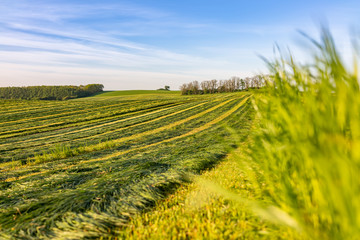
x,y
308,145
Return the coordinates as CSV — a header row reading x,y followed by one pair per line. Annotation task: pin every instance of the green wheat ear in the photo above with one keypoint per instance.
x,y
308,146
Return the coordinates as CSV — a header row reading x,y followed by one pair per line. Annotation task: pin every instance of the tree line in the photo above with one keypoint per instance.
x,y
217,86
50,92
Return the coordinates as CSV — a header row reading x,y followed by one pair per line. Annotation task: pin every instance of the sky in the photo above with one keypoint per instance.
x,y
147,44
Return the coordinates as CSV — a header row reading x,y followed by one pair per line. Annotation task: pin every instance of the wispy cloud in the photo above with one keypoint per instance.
x,y
65,36
122,43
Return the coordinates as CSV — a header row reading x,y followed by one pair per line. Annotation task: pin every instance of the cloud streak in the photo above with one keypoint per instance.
x,y
47,38
58,42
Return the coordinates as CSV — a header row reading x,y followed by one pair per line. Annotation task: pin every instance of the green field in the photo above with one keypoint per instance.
x,y
82,167
135,92
282,162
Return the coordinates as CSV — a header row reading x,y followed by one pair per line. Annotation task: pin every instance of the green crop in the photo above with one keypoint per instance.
x,y
308,144
84,169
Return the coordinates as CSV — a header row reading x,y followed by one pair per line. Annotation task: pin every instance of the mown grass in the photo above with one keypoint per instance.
x,y
89,194
96,134
134,92
130,132
195,211
300,171
301,168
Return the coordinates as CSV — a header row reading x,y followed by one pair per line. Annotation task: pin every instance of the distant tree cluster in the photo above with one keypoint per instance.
x,y
50,92
166,88
217,86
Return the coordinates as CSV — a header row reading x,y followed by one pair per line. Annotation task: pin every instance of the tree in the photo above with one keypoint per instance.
x,y
242,84
184,89
166,88
213,86
49,92
94,88
231,85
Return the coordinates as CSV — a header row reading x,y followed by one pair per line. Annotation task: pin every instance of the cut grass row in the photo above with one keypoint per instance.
x,y
74,108
16,106
138,135
109,110
24,115
66,112
103,187
137,114
158,120
135,92
117,154
195,211
97,123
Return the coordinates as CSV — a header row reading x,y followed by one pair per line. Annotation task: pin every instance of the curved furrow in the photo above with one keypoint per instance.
x,y
151,132
100,136
107,115
101,118
56,115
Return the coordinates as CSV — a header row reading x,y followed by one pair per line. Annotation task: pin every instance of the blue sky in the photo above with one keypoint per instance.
x,y
146,44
